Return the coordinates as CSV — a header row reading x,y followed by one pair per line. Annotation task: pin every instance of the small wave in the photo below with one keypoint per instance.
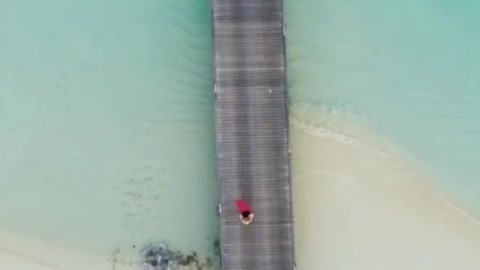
x,y
348,126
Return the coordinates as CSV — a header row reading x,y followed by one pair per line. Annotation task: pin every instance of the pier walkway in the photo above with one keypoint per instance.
x,y
253,156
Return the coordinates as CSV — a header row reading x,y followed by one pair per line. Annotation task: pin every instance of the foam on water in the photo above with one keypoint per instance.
x,y
106,123
341,126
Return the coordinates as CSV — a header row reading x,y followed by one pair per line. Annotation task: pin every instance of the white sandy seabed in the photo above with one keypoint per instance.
x,y
356,207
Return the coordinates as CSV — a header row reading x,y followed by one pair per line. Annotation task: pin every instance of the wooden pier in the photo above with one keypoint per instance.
x,y
253,155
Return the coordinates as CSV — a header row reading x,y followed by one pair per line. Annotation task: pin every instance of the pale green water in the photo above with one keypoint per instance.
x,y
409,69
106,108
106,123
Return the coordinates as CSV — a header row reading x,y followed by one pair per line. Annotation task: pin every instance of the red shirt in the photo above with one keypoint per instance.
x,y
243,206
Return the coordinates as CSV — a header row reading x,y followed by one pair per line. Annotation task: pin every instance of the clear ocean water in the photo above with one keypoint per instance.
x,y
408,69
106,108
106,123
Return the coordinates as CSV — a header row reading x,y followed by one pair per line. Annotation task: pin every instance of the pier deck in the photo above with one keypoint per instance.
x,y
253,156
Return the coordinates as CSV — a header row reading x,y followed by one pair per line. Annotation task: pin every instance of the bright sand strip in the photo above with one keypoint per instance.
x,y
357,209
20,253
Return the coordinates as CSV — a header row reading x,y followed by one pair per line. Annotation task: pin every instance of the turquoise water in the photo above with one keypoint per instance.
x,y
106,108
106,123
408,69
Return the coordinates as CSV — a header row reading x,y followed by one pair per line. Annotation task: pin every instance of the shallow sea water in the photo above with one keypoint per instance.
x,y
106,108
106,123
407,69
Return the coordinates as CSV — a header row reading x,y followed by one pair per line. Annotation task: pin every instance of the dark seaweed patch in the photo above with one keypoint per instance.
x,y
216,247
157,256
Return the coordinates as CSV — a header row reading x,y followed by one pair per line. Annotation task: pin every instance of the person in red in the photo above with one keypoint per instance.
x,y
245,211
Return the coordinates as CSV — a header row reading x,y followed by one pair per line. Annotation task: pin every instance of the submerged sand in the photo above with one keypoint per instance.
x,y
356,207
